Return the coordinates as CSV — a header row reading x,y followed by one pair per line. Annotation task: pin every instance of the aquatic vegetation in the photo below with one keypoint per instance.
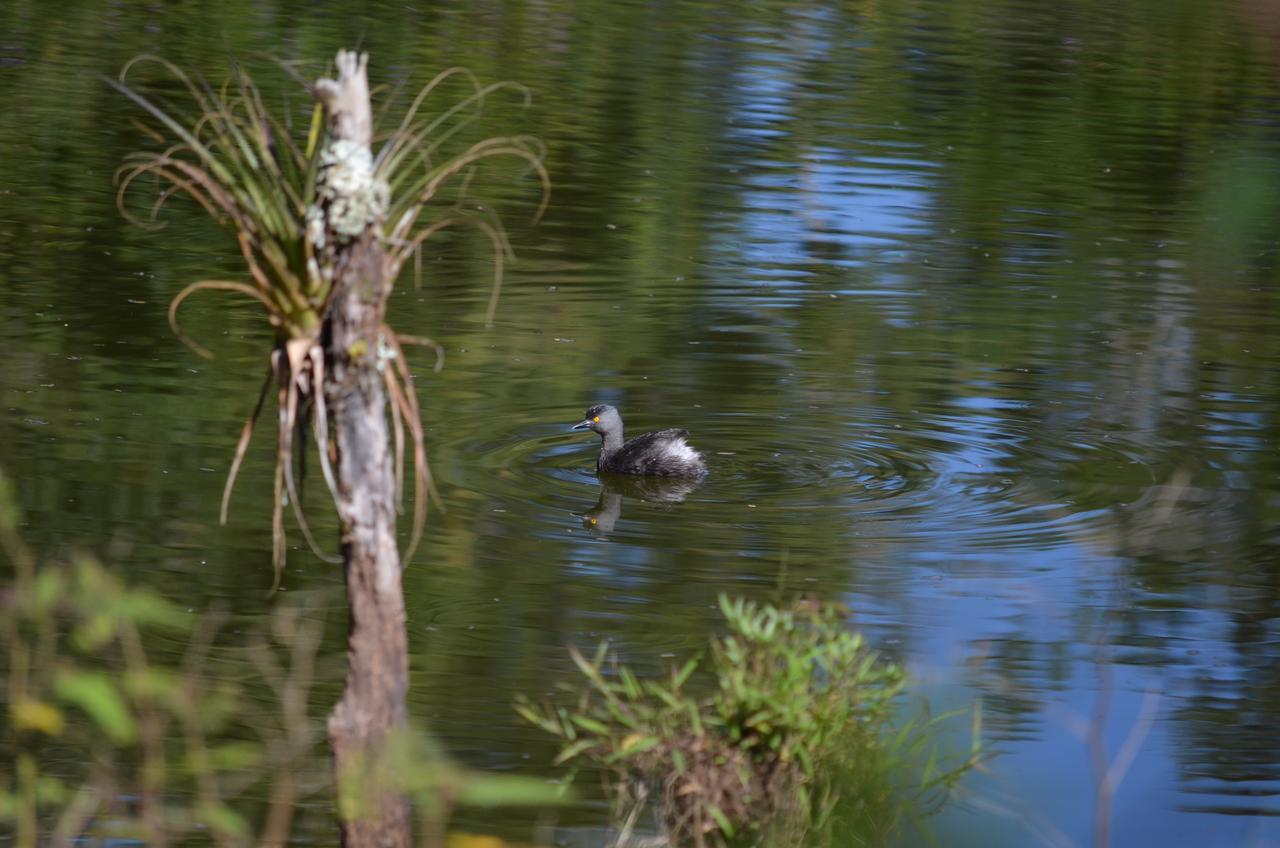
x,y
796,725
291,197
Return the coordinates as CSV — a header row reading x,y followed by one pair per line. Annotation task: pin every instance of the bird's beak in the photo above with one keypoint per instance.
x,y
582,425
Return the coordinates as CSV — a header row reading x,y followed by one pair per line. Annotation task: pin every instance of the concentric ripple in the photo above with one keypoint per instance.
x,y
953,480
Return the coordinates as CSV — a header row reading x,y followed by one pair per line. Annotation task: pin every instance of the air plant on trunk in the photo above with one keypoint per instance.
x,y
285,196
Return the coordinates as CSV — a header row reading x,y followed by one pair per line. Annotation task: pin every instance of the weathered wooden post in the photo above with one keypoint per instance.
x,y
345,230
322,255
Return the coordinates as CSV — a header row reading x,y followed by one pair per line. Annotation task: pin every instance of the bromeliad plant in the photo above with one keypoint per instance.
x,y
275,189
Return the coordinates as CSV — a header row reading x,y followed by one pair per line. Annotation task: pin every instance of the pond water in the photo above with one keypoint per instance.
x,y
973,307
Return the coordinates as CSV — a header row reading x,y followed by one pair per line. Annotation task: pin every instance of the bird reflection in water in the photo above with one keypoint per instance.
x,y
613,487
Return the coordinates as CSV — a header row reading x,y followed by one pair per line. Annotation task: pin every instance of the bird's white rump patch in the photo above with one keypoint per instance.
x,y
678,448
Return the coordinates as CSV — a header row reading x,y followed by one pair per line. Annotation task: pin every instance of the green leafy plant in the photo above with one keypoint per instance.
x,y
416,765
104,727
116,721
800,707
270,184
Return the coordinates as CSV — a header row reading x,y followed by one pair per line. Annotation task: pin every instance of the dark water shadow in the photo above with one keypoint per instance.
x,y
667,491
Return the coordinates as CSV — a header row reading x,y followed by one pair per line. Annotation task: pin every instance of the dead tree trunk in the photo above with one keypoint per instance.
x,y
345,232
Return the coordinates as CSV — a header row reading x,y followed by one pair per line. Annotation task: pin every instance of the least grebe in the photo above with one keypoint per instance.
x,y
663,453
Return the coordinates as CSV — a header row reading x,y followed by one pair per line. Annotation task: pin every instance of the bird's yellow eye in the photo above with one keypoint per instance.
x,y
593,521
596,419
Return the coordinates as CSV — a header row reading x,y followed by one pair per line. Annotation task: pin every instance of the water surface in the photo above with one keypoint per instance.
x,y
973,308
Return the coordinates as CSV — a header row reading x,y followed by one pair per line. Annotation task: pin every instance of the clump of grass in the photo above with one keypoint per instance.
x,y
799,707
270,184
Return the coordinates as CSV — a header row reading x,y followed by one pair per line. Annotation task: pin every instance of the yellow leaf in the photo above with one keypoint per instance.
x,y
474,840
29,714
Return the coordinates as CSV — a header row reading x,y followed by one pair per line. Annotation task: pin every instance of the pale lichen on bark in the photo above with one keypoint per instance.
x,y
350,197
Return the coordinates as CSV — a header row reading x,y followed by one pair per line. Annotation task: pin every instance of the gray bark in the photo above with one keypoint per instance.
x,y
372,708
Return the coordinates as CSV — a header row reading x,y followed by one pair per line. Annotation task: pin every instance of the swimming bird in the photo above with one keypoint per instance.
x,y
663,453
